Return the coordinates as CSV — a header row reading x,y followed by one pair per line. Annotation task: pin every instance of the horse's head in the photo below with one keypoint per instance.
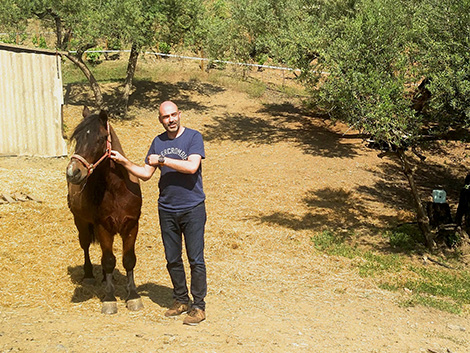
x,y
92,145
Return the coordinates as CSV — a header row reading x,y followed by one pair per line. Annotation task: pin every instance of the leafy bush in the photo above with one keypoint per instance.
x,y
39,41
405,237
8,38
164,48
94,57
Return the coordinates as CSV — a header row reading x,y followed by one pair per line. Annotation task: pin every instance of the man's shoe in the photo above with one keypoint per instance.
x,y
177,309
195,316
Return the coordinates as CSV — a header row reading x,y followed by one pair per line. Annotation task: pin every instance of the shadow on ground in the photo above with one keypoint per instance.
x,y
287,123
340,210
160,295
145,95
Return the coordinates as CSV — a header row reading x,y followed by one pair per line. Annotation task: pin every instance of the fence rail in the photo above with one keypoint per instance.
x,y
228,62
194,58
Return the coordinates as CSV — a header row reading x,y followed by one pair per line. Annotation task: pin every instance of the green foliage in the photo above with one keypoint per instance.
x,y
376,52
12,18
132,21
12,38
442,35
215,29
443,289
434,285
181,23
405,238
107,71
94,56
365,52
114,43
333,244
375,265
261,59
255,30
429,301
164,48
39,41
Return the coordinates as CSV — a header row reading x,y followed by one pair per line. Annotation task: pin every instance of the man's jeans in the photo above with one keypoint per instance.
x,y
191,224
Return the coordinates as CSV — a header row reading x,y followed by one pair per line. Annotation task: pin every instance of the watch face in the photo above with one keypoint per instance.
x,y
161,159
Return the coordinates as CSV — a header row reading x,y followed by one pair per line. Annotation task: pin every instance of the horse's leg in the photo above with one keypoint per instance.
x,y
133,300
85,236
108,263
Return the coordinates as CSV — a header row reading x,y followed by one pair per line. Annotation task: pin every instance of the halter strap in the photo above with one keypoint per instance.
x,y
91,166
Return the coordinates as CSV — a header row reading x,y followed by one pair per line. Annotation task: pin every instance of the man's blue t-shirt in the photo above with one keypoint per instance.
x,y
178,191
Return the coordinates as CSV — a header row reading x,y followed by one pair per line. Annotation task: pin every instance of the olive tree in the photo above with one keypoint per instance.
x,y
80,19
442,31
365,48
375,53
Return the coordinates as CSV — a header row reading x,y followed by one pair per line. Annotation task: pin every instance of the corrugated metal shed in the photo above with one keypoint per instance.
x,y
31,99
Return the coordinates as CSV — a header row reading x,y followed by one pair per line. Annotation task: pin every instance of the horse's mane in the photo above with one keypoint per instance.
x,y
116,145
88,131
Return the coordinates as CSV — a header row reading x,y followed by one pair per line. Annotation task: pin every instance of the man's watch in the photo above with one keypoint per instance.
x,y
161,160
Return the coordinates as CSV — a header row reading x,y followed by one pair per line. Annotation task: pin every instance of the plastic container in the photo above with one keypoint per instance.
x,y
439,196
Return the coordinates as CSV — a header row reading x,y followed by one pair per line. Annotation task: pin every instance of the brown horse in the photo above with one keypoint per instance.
x,y
104,199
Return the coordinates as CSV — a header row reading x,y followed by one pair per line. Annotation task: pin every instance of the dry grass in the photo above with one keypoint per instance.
x,y
274,177
258,194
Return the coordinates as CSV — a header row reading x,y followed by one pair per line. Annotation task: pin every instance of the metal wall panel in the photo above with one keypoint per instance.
x,y
31,99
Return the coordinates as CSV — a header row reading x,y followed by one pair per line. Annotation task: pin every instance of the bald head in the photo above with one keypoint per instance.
x,y
167,108
170,118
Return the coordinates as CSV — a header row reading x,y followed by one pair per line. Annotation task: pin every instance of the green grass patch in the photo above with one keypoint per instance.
x,y
254,88
432,302
333,244
376,265
293,91
108,71
427,285
405,238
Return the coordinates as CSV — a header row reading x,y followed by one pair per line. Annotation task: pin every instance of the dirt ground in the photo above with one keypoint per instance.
x,y
274,177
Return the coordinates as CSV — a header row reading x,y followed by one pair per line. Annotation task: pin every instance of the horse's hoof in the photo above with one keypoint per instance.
x,y
109,308
135,304
89,281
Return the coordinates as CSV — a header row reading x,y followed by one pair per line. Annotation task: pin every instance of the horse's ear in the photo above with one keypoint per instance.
x,y
86,112
103,116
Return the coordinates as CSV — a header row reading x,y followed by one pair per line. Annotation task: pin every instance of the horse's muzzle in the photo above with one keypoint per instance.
x,y
74,173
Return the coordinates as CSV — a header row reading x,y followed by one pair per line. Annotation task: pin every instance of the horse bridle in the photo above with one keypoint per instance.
x,y
91,166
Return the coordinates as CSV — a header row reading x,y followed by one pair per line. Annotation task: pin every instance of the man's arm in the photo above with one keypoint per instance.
x,y
143,172
188,166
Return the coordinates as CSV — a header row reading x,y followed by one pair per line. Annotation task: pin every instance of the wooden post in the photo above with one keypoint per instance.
x,y
201,55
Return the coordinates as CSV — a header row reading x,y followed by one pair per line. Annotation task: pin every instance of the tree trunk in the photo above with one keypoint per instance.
x,y
131,66
77,60
423,220
58,31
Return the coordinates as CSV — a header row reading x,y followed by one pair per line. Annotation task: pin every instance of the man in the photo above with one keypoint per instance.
x,y
181,207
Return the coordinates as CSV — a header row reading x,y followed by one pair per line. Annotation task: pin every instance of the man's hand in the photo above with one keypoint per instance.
x,y
144,173
153,160
117,157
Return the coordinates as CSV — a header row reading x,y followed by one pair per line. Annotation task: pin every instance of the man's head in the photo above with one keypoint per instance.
x,y
170,117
